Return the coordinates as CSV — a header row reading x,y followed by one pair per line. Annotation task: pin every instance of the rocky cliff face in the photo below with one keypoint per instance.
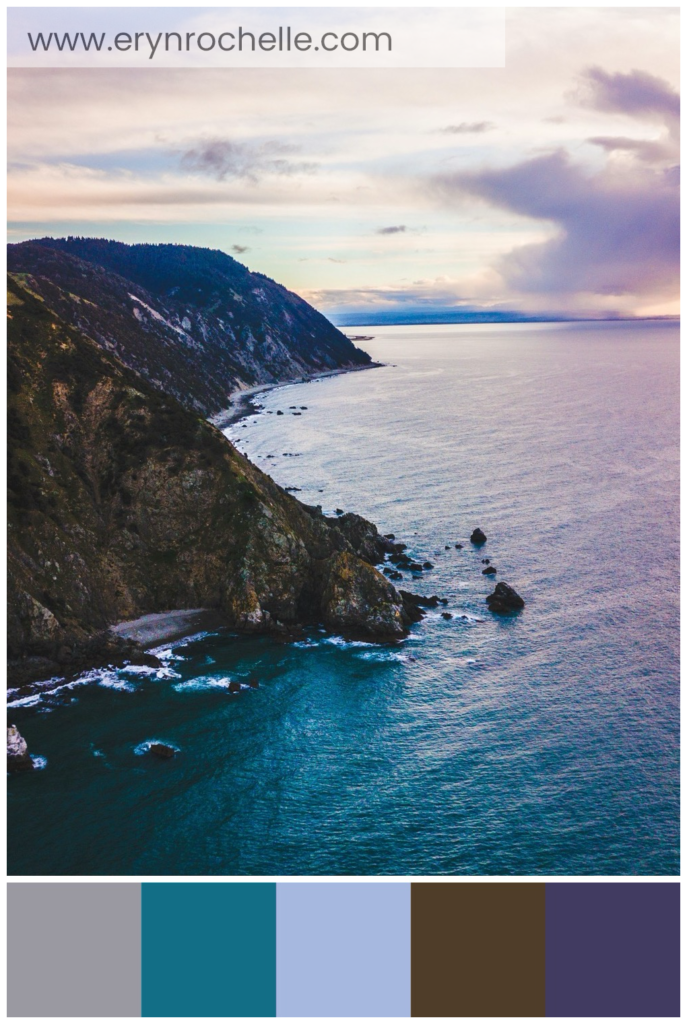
x,y
122,503
193,322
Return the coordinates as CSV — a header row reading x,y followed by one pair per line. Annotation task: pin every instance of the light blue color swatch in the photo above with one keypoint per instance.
x,y
343,949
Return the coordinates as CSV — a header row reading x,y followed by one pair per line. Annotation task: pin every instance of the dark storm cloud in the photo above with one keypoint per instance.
x,y
617,232
221,159
617,228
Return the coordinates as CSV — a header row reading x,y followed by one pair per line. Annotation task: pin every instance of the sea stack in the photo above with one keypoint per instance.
x,y
478,537
18,757
504,600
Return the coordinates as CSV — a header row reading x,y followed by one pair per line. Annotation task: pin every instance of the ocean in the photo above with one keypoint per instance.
x,y
543,743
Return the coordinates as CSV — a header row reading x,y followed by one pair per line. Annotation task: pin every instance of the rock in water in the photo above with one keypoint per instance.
x,y
489,571
162,750
478,536
234,687
18,757
504,600
419,601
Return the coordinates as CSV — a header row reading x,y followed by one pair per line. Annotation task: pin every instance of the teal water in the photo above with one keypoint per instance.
x,y
547,743
208,950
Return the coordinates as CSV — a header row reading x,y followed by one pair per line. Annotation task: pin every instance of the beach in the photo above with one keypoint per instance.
x,y
242,401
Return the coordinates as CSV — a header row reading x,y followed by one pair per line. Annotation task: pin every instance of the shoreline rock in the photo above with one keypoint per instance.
x,y
18,757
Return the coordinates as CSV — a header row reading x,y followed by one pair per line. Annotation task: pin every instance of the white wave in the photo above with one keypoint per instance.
x,y
149,670
25,702
36,698
166,654
44,685
204,683
340,641
109,679
39,762
382,655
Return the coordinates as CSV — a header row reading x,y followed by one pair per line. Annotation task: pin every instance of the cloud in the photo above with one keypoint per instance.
x,y
467,128
643,149
221,159
638,94
239,249
643,97
393,230
616,231
430,294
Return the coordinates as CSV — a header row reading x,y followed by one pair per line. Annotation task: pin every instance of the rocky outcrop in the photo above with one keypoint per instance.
x,y
193,322
18,757
477,537
122,503
358,599
364,537
504,600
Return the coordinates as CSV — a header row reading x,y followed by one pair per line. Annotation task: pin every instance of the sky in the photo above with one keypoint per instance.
x,y
548,187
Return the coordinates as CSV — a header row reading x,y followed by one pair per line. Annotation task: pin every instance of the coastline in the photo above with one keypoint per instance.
x,y
242,401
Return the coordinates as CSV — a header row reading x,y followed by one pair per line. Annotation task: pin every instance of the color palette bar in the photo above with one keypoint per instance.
x,y
344,949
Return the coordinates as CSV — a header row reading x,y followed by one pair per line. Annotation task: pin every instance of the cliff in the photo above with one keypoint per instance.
x,y
122,503
193,322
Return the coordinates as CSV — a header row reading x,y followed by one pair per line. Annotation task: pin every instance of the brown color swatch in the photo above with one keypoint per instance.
x,y
477,949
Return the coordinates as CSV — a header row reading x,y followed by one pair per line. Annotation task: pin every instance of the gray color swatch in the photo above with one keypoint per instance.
x,y
74,949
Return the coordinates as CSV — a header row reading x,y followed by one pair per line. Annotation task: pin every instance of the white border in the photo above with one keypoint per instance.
x,y
457,879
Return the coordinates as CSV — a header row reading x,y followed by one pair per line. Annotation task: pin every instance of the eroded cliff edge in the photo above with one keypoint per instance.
x,y
122,503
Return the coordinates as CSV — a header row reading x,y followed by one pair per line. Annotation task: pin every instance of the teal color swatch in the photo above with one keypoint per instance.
x,y
209,949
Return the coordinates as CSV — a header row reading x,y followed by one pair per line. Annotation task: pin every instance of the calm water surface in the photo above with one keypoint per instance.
x,y
545,743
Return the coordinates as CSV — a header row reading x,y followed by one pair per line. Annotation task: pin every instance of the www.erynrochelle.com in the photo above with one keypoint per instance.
x,y
283,40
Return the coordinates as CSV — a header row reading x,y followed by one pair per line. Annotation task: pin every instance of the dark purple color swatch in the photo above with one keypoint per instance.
x,y
613,949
